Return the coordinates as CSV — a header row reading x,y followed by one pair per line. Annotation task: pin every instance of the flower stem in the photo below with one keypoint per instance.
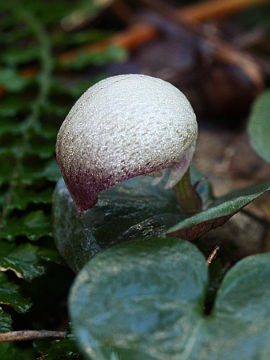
x,y
187,196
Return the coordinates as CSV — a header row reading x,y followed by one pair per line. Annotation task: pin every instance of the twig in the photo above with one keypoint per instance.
x,y
212,256
213,9
128,39
214,47
139,34
204,11
29,335
250,39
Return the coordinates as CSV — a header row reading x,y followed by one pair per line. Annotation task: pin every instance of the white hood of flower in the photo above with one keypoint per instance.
x,y
121,127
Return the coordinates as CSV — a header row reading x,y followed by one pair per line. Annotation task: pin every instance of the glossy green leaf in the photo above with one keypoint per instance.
x,y
144,299
131,209
10,295
34,225
22,260
259,126
65,349
136,208
219,211
5,321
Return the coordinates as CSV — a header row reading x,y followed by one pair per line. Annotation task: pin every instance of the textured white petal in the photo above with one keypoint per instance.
x,y
124,126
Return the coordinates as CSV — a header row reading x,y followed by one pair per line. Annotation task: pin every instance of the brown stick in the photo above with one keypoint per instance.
x,y
29,335
142,33
218,49
250,39
128,39
212,256
213,9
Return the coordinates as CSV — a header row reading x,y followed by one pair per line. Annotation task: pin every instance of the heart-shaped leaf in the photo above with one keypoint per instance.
x,y
219,211
134,208
144,299
259,126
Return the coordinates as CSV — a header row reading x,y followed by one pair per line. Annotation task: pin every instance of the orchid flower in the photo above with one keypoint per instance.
x,y
122,127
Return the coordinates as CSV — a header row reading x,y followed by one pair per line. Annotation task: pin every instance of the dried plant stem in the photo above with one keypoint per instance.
x,y
214,47
212,256
29,335
139,34
213,9
129,39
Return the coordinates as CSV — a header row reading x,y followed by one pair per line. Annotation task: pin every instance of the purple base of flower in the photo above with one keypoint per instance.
x,y
84,186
